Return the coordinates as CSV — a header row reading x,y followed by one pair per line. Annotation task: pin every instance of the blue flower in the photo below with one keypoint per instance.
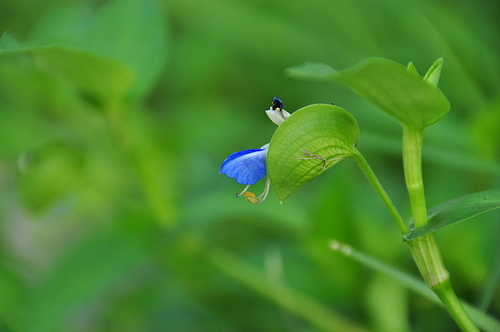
x,y
248,167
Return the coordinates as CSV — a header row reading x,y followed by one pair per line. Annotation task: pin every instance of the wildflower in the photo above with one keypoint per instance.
x,y
248,167
276,112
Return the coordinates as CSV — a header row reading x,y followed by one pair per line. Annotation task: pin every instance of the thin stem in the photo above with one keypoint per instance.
x,y
372,178
424,249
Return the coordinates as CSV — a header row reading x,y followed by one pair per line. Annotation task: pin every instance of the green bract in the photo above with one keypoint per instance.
x,y
311,140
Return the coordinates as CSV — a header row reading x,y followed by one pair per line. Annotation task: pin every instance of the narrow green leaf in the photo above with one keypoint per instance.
x,y
316,71
434,73
311,140
457,210
397,91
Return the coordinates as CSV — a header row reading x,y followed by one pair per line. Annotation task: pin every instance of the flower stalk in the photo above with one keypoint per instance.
x,y
372,178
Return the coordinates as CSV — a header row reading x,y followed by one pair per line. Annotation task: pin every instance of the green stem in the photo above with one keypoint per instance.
x,y
372,178
424,249
455,307
413,140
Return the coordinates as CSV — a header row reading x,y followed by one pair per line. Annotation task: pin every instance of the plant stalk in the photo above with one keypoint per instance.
x,y
425,250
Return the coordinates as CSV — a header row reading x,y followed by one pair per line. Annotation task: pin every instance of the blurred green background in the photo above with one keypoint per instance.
x,y
114,119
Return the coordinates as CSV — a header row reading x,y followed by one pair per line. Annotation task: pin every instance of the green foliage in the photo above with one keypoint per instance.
x,y
308,143
101,80
48,173
92,266
115,116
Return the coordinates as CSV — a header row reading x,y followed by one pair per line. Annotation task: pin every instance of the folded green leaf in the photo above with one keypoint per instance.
x,y
457,210
396,90
311,140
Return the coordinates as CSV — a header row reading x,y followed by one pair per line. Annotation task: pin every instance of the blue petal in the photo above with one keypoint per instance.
x,y
247,166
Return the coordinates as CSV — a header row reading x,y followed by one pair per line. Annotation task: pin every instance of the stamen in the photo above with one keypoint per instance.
x,y
251,197
243,192
263,196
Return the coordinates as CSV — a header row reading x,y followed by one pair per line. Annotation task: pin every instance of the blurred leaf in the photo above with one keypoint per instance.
x,y
279,292
485,133
61,23
132,32
8,42
12,297
311,140
457,210
47,173
101,79
125,41
317,71
434,73
482,319
153,167
92,267
393,315
397,91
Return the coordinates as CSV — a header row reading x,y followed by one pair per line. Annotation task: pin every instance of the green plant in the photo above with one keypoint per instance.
x,y
316,137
